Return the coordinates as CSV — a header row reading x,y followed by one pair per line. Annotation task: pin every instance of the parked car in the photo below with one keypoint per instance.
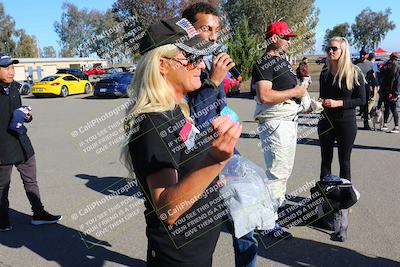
x,y
231,86
321,60
26,87
62,85
111,70
95,71
75,72
113,85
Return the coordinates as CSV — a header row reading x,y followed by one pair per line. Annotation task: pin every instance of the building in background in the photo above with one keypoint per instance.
x,y
39,68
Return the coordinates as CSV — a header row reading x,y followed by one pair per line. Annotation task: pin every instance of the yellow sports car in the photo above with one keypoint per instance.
x,y
62,85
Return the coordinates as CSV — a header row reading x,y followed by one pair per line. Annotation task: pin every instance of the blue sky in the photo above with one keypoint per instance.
x,y
38,17
340,11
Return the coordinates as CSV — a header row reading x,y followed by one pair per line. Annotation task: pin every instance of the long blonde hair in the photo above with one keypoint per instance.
x,y
150,92
347,71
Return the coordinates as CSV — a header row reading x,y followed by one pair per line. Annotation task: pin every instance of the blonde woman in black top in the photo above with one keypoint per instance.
x,y
176,173
341,90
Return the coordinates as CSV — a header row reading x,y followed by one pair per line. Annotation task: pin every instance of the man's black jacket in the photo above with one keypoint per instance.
x,y
14,148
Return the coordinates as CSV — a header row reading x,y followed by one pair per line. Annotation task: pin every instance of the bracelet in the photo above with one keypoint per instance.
x,y
216,161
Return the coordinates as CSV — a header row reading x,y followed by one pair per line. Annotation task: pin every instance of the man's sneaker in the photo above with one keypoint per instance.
x,y
5,226
45,218
384,128
395,130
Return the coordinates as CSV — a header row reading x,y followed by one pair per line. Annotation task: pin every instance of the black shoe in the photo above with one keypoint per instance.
x,y
338,237
44,218
367,128
5,226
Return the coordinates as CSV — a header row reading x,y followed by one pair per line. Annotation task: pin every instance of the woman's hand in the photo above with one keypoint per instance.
x,y
227,133
330,103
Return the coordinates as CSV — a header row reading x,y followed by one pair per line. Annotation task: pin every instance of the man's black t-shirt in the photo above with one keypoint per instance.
x,y
161,140
276,70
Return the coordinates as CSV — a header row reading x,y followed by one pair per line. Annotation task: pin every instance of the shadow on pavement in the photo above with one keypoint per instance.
x,y
108,185
303,252
61,244
315,142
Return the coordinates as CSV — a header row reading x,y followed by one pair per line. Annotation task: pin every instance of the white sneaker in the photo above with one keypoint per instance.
x,y
384,128
395,130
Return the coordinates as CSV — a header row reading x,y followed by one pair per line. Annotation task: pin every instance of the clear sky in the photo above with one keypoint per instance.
x,y
340,11
38,17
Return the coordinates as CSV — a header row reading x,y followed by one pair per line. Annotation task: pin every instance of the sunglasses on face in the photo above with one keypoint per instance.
x,y
333,48
192,60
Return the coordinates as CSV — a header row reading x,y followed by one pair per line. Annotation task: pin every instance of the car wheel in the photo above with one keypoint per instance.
x,y
64,91
24,90
87,88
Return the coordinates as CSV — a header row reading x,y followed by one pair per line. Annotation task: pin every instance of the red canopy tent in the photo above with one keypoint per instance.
x,y
380,51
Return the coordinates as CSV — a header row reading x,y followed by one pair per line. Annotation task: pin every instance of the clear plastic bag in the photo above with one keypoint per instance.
x,y
247,196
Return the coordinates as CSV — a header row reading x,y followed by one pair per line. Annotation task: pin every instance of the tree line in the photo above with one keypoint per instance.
x,y
113,34
368,30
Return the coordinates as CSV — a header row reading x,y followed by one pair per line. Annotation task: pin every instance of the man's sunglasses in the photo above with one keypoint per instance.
x,y
333,48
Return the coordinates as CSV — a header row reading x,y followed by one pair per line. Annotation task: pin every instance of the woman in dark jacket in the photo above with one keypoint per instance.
x,y
341,90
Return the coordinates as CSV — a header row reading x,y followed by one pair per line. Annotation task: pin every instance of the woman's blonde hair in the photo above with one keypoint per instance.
x,y
347,72
150,92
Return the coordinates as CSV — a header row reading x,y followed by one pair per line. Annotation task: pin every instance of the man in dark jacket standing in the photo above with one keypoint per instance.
x,y
16,150
207,102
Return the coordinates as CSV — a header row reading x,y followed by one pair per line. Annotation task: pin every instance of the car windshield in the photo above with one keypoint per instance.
x,y
49,78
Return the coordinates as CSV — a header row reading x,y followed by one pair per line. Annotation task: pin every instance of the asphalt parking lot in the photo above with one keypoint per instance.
x,y
77,142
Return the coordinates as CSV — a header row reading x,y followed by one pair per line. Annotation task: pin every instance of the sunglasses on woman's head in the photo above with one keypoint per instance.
x,y
333,48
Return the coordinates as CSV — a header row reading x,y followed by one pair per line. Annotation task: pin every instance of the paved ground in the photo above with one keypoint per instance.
x,y
78,178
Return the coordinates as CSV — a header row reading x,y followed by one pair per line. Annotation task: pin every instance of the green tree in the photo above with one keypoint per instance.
x,y
69,30
107,40
301,15
370,28
48,51
147,11
342,30
75,29
7,31
26,45
242,48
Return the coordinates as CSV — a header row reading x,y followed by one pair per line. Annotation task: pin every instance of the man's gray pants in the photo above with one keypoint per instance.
x,y
27,170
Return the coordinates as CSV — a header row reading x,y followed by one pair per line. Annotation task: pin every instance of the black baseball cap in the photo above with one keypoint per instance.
x,y
179,32
6,60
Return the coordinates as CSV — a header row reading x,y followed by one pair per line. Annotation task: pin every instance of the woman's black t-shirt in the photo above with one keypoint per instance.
x,y
164,140
351,98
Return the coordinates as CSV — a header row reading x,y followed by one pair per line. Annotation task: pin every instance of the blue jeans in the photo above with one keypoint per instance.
x,y
245,248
